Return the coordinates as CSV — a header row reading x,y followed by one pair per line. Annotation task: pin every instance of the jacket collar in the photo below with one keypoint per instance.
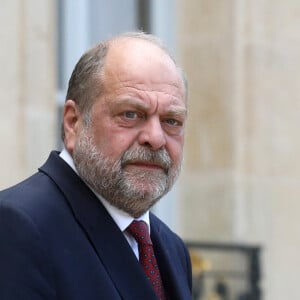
x,y
102,232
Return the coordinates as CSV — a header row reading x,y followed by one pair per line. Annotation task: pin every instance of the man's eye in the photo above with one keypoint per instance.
x,y
173,122
130,115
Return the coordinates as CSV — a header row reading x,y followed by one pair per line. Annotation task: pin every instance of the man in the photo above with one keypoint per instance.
x,y
66,232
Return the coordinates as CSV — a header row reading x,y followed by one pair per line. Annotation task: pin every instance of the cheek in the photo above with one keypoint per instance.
x,y
175,149
113,143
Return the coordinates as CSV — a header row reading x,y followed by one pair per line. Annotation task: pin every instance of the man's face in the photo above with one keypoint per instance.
x,y
131,152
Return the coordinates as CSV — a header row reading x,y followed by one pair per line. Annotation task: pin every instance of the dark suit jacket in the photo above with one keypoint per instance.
x,y
57,241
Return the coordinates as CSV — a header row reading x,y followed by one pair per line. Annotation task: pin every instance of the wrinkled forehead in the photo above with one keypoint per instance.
x,y
143,61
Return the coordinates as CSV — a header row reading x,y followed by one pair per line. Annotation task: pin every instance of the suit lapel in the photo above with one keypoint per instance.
x,y
169,263
104,235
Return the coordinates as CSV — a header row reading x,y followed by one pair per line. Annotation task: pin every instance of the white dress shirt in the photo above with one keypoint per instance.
x,y
121,218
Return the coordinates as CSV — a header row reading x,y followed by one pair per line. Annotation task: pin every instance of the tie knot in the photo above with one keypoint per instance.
x,y
139,230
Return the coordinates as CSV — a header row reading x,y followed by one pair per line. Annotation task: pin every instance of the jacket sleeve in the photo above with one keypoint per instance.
x,y
24,270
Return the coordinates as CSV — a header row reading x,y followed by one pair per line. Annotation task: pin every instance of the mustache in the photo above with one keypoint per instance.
x,y
158,157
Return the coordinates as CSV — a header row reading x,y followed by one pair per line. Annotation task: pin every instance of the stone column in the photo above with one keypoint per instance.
x,y
27,86
241,180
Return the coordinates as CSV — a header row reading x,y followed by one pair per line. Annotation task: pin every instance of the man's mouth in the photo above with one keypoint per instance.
x,y
147,165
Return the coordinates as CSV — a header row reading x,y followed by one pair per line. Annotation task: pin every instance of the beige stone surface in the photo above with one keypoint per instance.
x,y
242,173
27,86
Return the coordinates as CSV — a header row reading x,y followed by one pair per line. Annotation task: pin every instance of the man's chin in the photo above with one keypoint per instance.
x,y
147,180
141,206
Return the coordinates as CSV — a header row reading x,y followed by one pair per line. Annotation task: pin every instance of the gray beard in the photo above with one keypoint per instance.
x,y
133,191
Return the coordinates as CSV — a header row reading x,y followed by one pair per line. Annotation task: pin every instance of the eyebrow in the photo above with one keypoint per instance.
x,y
135,102
138,104
177,110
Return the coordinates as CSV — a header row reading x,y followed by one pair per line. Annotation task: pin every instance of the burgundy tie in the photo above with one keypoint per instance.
x,y
139,230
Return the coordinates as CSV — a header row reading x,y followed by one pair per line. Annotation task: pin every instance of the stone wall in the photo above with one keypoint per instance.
x,y
241,180
27,86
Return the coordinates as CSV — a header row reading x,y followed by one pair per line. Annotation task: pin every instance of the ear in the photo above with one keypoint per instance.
x,y
72,122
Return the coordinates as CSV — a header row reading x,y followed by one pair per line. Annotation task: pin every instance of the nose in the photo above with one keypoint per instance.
x,y
152,134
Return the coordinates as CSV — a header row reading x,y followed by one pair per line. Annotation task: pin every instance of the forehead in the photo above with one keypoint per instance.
x,y
140,62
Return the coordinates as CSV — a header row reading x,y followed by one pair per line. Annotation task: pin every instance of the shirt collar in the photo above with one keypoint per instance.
x,y
66,156
121,218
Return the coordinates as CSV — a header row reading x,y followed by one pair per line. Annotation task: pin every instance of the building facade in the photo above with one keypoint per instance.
x,y
240,181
